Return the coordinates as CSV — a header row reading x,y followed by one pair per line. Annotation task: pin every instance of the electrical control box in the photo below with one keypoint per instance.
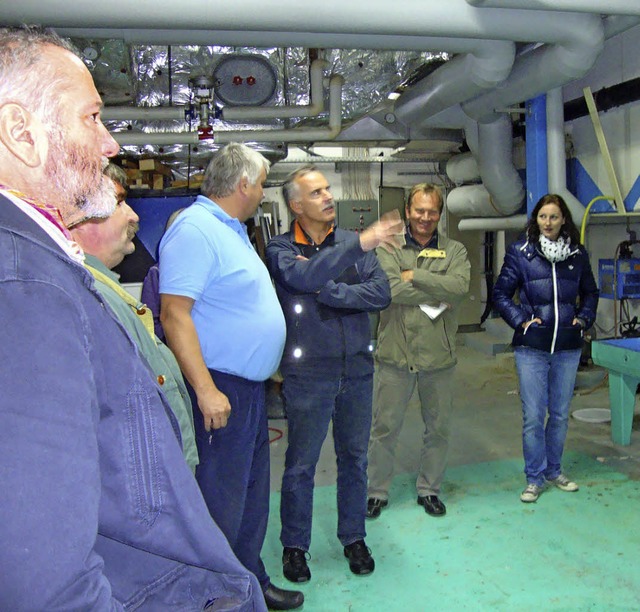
x,y
627,278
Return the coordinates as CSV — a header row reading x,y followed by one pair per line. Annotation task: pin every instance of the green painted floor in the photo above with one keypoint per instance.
x,y
568,551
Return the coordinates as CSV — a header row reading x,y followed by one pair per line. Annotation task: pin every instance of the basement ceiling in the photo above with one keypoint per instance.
x,y
490,56
151,76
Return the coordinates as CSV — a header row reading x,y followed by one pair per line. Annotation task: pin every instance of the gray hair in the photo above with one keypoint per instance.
x,y
24,78
229,166
116,174
291,189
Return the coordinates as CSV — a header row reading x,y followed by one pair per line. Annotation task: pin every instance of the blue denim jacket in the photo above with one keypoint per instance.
x,y
98,510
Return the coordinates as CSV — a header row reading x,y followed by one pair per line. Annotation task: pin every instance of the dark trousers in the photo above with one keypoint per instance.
x,y
313,401
233,473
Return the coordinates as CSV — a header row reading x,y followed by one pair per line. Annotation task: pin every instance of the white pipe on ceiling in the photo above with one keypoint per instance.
x,y
489,224
298,134
231,113
313,109
225,136
462,168
141,113
611,7
454,18
460,79
544,68
556,156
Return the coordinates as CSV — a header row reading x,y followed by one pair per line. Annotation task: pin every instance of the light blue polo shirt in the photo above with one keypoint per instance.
x,y
206,255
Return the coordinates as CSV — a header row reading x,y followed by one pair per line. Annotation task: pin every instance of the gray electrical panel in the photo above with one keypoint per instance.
x,y
356,215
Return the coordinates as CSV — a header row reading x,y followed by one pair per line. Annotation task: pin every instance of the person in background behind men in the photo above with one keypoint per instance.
x,y
151,285
429,277
327,280
223,321
106,242
99,510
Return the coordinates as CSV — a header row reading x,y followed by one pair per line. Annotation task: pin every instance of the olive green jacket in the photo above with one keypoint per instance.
x,y
138,321
407,337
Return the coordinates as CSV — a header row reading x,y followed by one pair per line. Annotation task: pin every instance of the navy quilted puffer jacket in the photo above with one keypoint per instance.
x,y
555,293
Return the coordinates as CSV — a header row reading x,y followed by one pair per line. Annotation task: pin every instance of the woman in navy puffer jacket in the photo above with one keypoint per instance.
x,y
558,298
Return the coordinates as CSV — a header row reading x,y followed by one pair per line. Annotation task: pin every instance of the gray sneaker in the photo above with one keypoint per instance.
x,y
564,484
530,494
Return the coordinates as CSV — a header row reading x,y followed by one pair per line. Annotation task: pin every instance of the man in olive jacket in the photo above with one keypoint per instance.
x,y
429,278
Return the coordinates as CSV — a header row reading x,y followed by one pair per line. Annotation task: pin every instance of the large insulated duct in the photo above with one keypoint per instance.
x,y
463,168
485,65
491,145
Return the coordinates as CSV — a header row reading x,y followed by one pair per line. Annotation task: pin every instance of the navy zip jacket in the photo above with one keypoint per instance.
x,y
555,293
325,300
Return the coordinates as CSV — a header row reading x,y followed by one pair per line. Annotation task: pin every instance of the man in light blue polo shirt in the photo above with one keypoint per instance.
x,y
224,323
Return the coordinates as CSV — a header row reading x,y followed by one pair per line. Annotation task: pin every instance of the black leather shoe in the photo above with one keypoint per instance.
x,y
375,506
281,599
360,560
294,565
432,505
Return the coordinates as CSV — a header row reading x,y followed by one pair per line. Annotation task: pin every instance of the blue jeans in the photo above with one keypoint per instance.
x,y
546,384
311,403
233,473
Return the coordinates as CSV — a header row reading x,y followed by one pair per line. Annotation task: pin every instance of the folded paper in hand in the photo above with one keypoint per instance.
x,y
433,312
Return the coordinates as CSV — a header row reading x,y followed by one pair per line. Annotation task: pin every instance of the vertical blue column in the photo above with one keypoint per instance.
x,y
536,150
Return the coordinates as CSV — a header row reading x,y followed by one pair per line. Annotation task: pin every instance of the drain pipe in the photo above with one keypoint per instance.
x,y
557,163
231,113
293,135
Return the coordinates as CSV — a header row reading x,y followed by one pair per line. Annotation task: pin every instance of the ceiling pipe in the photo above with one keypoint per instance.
x,y
225,136
489,224
458,80
230,113
545,67
616,24
313,109
556,156
238,22
607,7
295,135
133,113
